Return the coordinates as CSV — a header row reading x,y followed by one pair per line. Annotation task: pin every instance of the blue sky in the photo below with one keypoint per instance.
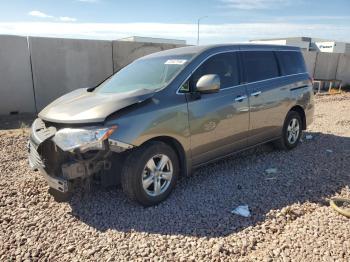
x,y
227,21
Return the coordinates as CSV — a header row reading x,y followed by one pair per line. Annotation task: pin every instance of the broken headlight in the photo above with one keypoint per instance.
x,y
85,139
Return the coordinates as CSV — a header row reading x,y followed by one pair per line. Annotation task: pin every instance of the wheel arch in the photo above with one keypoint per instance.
x,y
300,110
177,147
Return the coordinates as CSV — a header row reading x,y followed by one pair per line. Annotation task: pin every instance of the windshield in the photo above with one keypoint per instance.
x,y
150,73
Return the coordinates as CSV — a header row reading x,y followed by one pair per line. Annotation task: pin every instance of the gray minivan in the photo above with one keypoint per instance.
x,y
169,112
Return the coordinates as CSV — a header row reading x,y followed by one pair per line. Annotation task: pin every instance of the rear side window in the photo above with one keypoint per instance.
x,y
225,65
291,62
260,65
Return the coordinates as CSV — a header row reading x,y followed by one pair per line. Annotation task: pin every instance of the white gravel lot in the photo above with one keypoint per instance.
x,y
291,219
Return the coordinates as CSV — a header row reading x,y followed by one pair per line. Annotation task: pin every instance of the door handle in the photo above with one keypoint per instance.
x,y
240,98
255,93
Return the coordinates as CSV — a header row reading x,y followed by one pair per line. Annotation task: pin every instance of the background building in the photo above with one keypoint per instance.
x,y
309,44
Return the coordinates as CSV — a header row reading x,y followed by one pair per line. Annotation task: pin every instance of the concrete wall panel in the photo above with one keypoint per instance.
x,y
326,65
15,73
310,61
125,52
343,71
62,65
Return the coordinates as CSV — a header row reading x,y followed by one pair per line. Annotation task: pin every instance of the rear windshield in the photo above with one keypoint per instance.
x,y
292,62
147,73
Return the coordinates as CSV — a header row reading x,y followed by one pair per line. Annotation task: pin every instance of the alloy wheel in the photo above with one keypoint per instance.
x,y
157,175
293,130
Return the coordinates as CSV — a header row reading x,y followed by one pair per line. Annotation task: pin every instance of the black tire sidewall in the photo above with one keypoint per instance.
x,y
144,155
289,117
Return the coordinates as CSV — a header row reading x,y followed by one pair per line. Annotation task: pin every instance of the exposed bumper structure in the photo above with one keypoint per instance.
x,y
60,167
36,163
57,183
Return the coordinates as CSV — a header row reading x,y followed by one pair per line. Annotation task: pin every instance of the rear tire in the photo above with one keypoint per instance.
x,y
150,173
291,132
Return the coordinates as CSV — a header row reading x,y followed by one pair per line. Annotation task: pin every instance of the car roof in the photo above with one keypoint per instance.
x,y
196,50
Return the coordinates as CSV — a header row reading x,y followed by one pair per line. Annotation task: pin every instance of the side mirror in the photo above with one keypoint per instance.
x,y
208,84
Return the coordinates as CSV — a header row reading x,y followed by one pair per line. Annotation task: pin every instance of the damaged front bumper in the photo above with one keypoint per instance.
x,y
60,167
36,163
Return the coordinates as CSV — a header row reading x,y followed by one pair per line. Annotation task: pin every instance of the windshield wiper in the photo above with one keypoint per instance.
x,y
90,89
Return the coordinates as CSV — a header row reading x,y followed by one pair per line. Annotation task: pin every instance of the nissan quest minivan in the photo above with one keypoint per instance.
x,y
169,112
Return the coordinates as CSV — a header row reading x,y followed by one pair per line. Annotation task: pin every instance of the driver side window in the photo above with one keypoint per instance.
x,y
225,65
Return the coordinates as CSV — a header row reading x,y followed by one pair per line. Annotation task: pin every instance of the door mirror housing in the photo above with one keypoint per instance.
x,y
208,84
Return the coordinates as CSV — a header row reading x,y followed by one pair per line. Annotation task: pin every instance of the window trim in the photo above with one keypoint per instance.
x,y
241,64
278,63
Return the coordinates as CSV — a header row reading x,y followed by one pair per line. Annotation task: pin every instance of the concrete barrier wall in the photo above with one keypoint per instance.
x,y
343,70
62,65
32,78
326,66
16,84
126,52
310,61
58,66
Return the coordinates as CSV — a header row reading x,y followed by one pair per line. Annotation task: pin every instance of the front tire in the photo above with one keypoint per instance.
x,y
291,132
150,173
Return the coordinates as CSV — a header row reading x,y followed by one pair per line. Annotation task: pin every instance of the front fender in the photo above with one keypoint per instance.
x,y
152,121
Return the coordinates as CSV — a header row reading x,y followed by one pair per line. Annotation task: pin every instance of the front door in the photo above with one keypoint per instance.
x,y
219,121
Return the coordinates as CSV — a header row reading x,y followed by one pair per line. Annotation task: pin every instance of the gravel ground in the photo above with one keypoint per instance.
x,y
291,219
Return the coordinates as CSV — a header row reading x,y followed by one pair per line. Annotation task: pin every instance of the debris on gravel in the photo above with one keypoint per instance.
x,y
308,137
291,219
242,210
271,170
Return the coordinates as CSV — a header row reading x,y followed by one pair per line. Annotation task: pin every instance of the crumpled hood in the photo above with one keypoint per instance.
x,y
81,106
